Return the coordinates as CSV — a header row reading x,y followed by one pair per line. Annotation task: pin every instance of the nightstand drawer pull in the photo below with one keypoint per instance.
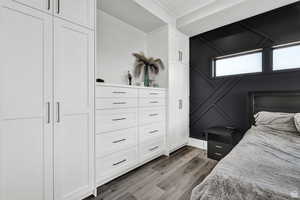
x,y
153,101
154,148
154,131
119,103
152,115
219,147
115,164
218,154
118,141
152,93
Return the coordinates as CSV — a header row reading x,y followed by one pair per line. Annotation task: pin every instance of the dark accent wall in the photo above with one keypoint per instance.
x,y
223,101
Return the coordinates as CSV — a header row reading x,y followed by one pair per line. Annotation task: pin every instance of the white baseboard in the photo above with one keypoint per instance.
x,y
201,144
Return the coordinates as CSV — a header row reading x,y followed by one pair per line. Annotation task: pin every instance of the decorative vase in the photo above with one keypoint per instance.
x,y
146,77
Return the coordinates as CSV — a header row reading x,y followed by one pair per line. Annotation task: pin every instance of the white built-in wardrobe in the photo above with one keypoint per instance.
x,y
178,90
46,99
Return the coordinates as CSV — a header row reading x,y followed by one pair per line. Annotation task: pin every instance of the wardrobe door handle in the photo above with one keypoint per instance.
x,y
58,112
180,104
49,6
58,6
48,113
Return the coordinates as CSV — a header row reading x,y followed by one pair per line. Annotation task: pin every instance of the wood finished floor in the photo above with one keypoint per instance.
x,y
166,178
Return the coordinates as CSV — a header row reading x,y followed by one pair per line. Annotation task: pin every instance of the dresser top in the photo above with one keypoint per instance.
x,y
128,86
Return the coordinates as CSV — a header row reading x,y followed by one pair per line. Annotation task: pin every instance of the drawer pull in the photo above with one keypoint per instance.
x,y
122,161
154,148
154,131
118,141
153,101
218,154
117,92
153,93
152,115
219,147
119,103
119,119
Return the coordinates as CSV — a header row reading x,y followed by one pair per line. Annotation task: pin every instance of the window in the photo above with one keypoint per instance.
x,y
287,57
244,63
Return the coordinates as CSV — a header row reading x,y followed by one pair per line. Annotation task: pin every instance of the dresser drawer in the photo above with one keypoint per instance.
x,y
151,131
151,115
116,103
151,149
110,120
112,142
116,92
150,102
218,150
151,93
115,164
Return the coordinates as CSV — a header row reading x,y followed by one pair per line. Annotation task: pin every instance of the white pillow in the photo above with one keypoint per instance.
x,y
276,121
297,121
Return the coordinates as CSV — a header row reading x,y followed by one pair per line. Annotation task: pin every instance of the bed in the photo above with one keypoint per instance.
x,y
265,165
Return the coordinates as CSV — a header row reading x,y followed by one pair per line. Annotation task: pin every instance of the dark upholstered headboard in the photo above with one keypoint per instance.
x,y
273,101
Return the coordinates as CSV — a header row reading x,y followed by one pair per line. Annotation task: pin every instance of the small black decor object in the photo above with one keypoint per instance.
x,y
129,78
99,80
148,65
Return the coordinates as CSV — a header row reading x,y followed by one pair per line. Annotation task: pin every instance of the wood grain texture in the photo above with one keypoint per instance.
x,y
166,178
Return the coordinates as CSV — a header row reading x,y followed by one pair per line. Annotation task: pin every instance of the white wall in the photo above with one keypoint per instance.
x,y
157,47
116,41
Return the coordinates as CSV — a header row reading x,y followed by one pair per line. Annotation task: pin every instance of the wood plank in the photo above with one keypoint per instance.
x,y
166,178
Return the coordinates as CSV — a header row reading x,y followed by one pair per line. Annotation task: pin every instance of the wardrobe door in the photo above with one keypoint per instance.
x,y
178,106
25,103
182,114
42,5
73,97
81,12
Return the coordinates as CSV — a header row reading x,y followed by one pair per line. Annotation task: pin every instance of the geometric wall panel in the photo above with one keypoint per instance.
x,y
223,101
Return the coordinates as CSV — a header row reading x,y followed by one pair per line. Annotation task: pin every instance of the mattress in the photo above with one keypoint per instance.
x,y
265,165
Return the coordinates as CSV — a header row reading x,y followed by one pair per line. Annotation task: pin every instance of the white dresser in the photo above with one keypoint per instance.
x,y
130,128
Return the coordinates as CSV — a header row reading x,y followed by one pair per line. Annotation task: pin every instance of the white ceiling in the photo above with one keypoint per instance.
x,y
179,8
191,17
131,13
223,12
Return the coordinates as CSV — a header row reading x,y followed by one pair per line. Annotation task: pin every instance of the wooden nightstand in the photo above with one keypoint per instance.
x,y
221,141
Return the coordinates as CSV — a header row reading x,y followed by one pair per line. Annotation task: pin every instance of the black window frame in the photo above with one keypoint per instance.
x,y
214,59
283,46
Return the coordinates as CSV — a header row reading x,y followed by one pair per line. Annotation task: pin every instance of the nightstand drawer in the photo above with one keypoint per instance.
x,y
218,150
